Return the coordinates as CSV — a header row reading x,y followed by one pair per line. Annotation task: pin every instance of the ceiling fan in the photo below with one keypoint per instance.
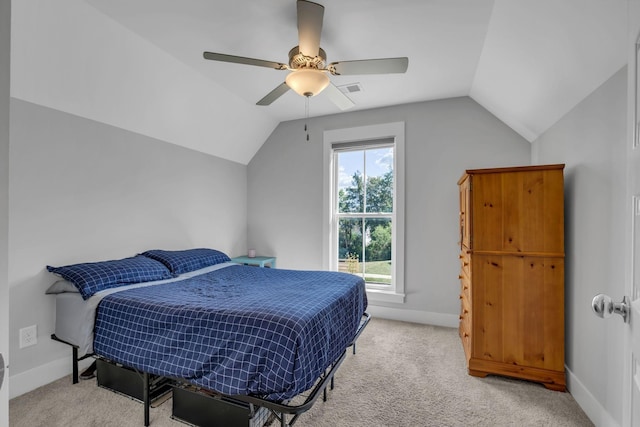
x,y
307,72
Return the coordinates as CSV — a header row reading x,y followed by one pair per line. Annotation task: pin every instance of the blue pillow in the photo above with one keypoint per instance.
x,y
179,262
92,277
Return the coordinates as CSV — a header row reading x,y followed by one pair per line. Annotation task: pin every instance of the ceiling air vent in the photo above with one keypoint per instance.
x,y
351,88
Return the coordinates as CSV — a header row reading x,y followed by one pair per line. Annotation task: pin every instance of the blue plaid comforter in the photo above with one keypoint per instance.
x,y
238,330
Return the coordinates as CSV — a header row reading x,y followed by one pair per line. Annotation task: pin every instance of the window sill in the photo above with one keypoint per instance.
x,y
384,296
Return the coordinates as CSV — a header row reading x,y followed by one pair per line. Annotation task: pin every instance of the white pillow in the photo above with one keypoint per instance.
x,y
60,287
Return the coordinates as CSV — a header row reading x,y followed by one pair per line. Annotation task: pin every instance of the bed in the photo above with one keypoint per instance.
x,y
260,335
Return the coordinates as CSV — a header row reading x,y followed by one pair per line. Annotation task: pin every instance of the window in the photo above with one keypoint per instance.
x,y
364,203
364,209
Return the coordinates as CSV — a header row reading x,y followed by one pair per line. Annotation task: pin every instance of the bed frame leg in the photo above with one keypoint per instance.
x,y
145,397
74,358
75,364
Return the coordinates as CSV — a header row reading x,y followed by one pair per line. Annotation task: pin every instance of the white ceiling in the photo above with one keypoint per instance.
x,y
137,64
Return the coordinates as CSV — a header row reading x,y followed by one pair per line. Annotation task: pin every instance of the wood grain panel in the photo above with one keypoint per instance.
x,y
553,313
488,211
465,212
487,306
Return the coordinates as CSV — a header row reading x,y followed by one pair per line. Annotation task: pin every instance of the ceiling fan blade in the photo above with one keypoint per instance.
x,y
242,60
274,94
370,66
337,97
310,17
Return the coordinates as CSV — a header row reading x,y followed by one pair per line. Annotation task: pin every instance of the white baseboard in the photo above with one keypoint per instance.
x,y
589,404
27,381
414,316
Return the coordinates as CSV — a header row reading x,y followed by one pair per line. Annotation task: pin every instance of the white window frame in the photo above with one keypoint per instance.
x,y
395,292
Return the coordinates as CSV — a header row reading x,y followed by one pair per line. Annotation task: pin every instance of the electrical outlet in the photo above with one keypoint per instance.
x,y
28,336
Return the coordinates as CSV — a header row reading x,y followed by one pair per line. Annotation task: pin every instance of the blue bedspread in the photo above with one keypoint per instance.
x,y
238,330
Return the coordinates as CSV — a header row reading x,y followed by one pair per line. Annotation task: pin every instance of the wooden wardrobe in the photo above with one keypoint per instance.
x,y
512,272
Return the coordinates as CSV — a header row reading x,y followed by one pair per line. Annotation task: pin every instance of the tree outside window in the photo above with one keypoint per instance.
x,y
365,211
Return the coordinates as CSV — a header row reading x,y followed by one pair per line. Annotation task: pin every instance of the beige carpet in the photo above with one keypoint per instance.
x,y
402,375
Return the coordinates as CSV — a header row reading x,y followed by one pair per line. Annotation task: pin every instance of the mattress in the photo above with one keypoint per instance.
x,y
238,330
75,317
75,320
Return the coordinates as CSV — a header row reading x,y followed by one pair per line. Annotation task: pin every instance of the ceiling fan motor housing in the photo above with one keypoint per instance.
x,y
298,59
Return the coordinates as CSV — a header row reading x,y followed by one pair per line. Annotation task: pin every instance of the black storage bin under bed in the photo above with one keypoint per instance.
x,y
128,382
199,408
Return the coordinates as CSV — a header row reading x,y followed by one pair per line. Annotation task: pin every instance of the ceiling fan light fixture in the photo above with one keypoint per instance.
x,y
308,72
307,81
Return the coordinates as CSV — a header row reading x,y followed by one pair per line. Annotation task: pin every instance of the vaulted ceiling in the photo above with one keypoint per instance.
x,y
137,64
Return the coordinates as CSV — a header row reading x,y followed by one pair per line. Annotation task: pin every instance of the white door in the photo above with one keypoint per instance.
x,y
629,307
4,351
5,29
631,403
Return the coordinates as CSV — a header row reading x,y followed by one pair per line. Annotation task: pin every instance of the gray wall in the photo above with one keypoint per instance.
x,y
590,140
442,139
5,59
85,191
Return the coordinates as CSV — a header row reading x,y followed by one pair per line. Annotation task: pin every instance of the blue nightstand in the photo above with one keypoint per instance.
x,y
257,260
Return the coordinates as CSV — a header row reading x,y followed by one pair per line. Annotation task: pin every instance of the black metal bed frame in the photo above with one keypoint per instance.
x,y
280,409
74,357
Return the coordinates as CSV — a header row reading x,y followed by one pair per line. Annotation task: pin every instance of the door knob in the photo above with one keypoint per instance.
x,y
603,306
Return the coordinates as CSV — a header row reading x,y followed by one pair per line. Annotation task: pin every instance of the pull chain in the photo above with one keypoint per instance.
x,y
306,116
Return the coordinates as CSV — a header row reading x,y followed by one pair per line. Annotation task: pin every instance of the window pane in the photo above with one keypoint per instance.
x,y
350,177
350,244
379,182
377,259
